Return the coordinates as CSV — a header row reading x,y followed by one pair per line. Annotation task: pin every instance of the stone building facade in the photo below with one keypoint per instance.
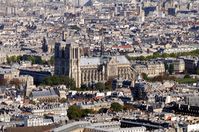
x,y
152,69
191,64
70,62
9,73
179,65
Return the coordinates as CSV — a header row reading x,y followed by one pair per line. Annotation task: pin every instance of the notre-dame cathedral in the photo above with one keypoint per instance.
x,y
69,61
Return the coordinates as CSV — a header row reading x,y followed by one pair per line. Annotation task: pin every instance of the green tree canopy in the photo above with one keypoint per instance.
x,y
52,60
86,112
100,86
116,107
108,84
84,87
59,80
15,82
102,110
165,55
187,76
63,100
145,76
197,71
13,59
187,81
142,58
32,59
74,112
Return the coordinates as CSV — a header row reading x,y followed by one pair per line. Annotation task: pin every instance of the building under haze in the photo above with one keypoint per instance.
x,y
85,70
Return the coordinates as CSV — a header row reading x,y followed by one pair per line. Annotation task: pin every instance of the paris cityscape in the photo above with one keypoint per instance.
x,y
99,65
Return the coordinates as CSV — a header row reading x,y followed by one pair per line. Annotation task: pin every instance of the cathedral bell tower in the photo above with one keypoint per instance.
x,y
67,60
74,63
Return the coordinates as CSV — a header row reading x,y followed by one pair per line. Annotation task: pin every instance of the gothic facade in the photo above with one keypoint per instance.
x,y
84,70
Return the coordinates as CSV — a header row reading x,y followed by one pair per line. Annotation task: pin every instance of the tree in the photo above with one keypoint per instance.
x,y
69,82
158,78
52,60
156,55
16,82
173,55
165,55
84,87
108,84
142,58
74,112
197,71
3,82
145,76
116,107
129,107
100,86
32,102
13,59
33,59
38,60
187,76
102,110
171,68
63,100
60,80
19,58
85,112
187,80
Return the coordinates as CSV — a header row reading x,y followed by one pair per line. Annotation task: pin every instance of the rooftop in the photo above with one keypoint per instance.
x,y
86,61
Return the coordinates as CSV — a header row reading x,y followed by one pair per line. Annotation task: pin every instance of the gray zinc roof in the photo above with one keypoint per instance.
x,y
49,92
122,59
85,61
5,70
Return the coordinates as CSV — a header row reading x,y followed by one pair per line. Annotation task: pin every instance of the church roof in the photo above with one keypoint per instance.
x,y
85,61
49,92
122,59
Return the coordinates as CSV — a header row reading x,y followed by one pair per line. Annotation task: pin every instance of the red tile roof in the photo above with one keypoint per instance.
x,y
122,47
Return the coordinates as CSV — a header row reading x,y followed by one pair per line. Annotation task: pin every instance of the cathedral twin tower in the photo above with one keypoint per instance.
x,y
67,60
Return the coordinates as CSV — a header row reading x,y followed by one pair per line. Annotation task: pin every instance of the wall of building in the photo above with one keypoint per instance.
x,y
193,128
